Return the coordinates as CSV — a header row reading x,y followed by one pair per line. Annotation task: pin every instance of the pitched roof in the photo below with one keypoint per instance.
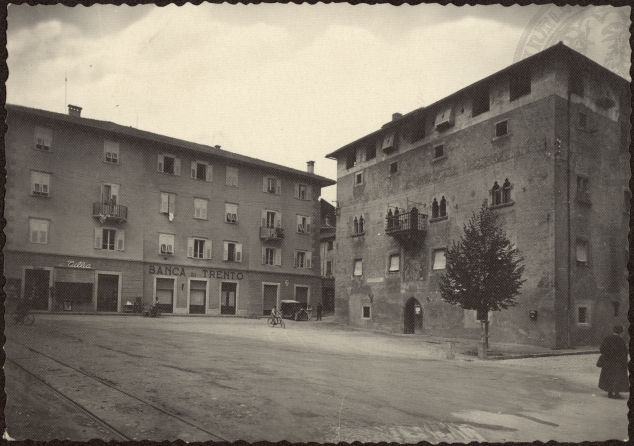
x,y
132,132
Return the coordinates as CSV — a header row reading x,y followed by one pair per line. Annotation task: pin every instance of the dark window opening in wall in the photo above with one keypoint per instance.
x,y
330,245
583,120
501,128
417,130
581,252
329,268
366,312
435,210
520,83
358,178
582,315
361,222
506,191
355,225
201,171
480,100
576,83
439,151
351,159
443,207
370,152
393,167
168,165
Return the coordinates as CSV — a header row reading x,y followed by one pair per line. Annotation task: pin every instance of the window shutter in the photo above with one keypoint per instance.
x,y
203,210
120,240
265,185
194,169
161,162
164,203
296,190
190,247
114,192
263,218
209,174
177,166
238,252
225,252
278,187
278,219
309,193
277,257
308,224
98,235
207,249
171,203
44,236
263,255
309,256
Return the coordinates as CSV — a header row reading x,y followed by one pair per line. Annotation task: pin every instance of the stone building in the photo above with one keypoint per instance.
x,y
327,234
545,142
100,214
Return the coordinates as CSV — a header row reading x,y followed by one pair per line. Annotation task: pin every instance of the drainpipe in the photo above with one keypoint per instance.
x,y
569,223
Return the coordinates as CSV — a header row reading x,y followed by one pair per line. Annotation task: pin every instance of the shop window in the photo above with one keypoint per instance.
x,y
168,204
169,164
501,128
43,139
439,259
365,312
394,263
202,171
166,244
231,177
231,213
200,208
198,248
232,252
480,100
358,268
303,259
581,250
520,83
40,184
111,152
38,230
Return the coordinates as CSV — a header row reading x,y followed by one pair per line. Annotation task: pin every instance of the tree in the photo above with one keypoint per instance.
x,y
483,269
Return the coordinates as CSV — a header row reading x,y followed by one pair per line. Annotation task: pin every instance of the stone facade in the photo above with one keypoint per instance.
x,y
553,129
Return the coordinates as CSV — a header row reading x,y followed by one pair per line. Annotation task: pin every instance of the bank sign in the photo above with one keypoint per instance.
x,y
168,270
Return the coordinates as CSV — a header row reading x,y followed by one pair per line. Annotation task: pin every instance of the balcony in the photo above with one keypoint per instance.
x,y
271,234
407,226
110,212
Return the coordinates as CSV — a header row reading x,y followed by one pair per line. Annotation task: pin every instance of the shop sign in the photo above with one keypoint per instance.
x,y
78,264
168,270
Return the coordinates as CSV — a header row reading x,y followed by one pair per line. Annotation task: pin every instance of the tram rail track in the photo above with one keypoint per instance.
x,y
213,436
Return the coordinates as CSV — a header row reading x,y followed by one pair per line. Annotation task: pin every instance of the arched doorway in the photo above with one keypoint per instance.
x,y
413,316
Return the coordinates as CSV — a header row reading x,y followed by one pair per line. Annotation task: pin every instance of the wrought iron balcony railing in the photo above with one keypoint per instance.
x,y
408,225
110,212
271,234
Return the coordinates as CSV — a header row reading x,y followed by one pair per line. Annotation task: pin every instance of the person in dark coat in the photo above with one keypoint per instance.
x,y
613,363
320,308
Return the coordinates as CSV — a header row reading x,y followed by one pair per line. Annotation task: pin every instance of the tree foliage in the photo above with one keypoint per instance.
x,y
484,269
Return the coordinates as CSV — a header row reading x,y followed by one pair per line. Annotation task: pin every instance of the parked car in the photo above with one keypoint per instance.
x,y
296,310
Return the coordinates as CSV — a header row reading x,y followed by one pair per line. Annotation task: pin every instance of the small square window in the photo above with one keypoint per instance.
x,y
395,263
358,178
394,167
358,268
439,259
439,151
365,312
501,128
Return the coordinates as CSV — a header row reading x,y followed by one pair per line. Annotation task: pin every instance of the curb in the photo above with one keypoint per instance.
x,y
544,355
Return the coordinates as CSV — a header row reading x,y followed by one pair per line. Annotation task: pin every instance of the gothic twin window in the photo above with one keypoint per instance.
x,y
439,210
501,195
358,225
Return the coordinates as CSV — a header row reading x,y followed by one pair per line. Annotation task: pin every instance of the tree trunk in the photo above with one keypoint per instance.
x,y
482,348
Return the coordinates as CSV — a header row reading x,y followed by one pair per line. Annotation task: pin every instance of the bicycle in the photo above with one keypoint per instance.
x,y
23,318
276,320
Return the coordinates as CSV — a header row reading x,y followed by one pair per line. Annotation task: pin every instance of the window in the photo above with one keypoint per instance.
x,y
480,100
358,178
583,315
439,259
394,167
501,195
582,252
502,128
520,83
111,152
358,225
329,268
38,230
202,171
232,176
109,239
303,259
270,220
200,208
418,129
272,185
109,194
169,164
40,183
435,210
370,152
271,256
443,207
168,204
198,248
351,159
582,189
394,263
166,244
303,191
303,224
43,138
232,252
330,245
231,213
439,151
365,312
506,191
388,143
358,267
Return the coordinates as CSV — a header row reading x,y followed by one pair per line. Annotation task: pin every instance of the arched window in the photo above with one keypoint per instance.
x,y
506,191
496,194
434,209
390,219
397,221
355,226
443,207
361,225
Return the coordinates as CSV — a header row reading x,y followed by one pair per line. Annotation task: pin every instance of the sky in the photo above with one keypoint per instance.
x,y
282,82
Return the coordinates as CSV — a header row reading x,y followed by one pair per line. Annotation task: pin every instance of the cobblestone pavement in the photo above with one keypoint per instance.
x,y
198,378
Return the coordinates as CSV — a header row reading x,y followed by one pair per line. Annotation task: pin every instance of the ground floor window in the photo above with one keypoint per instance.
x,y
36,288
197,296
228,297
365,312
165,294
395,263
269,298
583,315
301,294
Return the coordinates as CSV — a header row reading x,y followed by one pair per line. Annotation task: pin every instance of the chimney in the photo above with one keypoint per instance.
x,y
74,110
310,166
217,147
396,116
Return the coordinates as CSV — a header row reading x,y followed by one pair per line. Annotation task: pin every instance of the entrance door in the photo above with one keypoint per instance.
x,y
413,316
107,292
228,298
36,287
328,299
197,296
165,295
269,298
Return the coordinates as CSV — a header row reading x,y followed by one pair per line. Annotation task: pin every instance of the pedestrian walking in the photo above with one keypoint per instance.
x,y
319,310
613,363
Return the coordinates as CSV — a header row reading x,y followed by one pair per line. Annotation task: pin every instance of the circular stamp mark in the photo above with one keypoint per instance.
x,y
598,32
